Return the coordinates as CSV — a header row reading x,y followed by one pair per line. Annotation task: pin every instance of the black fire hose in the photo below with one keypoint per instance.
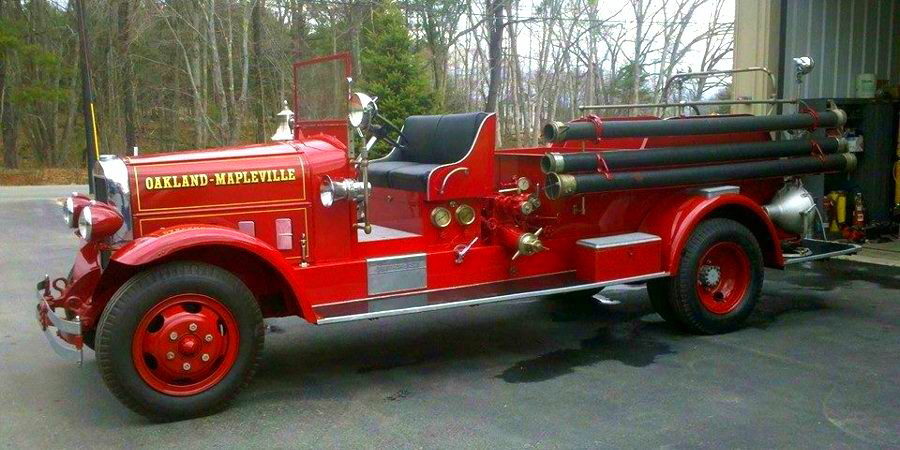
x,y
597,128
650,157
561,185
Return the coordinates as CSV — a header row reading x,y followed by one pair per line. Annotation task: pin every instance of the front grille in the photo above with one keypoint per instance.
x,y
101,193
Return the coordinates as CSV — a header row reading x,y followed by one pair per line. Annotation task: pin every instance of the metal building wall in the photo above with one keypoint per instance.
x,y
845,38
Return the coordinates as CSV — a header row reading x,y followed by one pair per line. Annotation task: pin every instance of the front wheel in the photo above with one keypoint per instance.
x,y
179,340
718,282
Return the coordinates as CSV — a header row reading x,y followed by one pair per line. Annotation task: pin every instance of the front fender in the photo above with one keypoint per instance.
x,y
675,218
158,245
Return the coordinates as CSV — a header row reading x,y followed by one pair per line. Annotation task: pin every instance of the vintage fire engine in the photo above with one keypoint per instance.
x,y
184,254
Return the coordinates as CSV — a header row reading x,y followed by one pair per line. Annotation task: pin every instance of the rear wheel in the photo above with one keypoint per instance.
x,y
179,340
718,282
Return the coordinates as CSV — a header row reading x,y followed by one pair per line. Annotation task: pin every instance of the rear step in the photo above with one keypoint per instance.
x,y
820,250
464,296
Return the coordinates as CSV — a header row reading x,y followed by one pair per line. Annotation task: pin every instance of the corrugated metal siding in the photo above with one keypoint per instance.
x,y
845,38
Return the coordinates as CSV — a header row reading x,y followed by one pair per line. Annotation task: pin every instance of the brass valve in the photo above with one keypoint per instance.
x,y
529,244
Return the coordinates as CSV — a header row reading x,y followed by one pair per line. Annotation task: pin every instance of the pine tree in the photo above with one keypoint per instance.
x,y
391,70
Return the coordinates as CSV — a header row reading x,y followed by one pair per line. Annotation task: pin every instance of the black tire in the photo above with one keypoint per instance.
x,y
676,298
145,291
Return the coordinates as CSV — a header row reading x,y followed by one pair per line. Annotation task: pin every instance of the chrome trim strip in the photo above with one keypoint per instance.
x,y
618,240
715,191
494,299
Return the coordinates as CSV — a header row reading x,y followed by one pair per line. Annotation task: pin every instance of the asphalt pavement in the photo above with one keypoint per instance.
x,y
818,366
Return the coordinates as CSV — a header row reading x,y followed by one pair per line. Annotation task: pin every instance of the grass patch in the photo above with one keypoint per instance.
x,y
29,177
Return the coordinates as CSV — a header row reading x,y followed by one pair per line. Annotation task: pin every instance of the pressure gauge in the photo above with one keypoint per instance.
x,y
523,184
440,217
465,214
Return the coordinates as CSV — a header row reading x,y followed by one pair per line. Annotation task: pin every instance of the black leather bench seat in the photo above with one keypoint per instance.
x,y
431,141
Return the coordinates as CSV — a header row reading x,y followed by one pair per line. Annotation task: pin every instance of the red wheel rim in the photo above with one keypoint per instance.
x,y
185,344
723,277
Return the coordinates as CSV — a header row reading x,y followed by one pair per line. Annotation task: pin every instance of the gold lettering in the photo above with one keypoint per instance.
x,y
254,176
203,179
239,177
292,174
230,176
167,182
157,183
148,183
220,178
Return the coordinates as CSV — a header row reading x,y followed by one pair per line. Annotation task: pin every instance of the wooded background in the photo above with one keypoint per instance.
x,y
177,74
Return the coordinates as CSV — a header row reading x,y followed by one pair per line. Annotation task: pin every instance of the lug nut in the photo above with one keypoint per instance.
x,y
208,338
186,366
170,355
192,327
205,357
173,335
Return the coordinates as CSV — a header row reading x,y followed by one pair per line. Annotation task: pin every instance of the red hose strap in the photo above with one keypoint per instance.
x,y
596,121
815,116
817,150
602,168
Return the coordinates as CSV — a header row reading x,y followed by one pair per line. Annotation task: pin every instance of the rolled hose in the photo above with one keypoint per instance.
x,y
662,156
562,185
559,131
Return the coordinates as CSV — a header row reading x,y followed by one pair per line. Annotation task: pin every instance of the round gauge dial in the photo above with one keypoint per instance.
x,y
440,217
523,184
465,214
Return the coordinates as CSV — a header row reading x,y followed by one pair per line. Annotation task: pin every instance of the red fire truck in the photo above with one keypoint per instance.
x,y
184,254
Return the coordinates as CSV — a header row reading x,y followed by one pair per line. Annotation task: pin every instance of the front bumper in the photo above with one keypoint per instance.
x,y
64,335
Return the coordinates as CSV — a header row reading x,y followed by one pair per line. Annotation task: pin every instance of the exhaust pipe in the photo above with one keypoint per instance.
x,y
559,131
664,156
562,185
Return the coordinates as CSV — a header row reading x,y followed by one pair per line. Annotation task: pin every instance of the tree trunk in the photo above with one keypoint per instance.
x,y
8,119
234,124
218,83
256,25
355,11
127,75
495,53
638,41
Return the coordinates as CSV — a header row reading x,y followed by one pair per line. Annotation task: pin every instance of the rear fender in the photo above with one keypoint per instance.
x,y
162,245
675,219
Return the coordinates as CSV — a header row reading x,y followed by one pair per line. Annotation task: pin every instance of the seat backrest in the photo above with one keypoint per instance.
x,y
440,139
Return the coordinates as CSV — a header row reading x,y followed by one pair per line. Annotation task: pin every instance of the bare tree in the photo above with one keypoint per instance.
x,y
127,74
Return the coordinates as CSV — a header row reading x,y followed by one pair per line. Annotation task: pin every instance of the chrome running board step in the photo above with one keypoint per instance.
x,y
422,301
817,249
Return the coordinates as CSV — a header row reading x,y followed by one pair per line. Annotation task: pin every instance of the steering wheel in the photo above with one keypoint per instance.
x,y
382,132
364,111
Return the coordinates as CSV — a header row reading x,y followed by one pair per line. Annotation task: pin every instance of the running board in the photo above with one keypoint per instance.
x,y
464,296
821,250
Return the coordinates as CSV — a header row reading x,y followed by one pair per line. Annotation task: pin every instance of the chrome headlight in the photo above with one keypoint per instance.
x,y
98,221
85,224
69,212
71,208
332,191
